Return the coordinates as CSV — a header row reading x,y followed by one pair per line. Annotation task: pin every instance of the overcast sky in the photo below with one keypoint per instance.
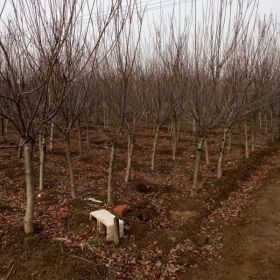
x,y
270,6
155,8
266,6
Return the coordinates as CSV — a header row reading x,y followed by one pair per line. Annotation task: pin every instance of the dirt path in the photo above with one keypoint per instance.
x,y
252,248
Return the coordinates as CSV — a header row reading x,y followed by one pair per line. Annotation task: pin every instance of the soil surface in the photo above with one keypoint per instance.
x,y
169,235
252,247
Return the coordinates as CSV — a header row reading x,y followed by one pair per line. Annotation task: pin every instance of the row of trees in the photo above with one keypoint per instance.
x,y
58,72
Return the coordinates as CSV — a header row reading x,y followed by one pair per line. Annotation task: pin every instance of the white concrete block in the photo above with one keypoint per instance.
x,y
107,219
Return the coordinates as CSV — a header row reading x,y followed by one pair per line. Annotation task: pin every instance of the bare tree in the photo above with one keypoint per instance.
x,y
158,105
74,70
117,77
215,41
136,105
29,51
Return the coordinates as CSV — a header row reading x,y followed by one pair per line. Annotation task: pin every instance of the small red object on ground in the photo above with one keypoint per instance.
x,y
120,210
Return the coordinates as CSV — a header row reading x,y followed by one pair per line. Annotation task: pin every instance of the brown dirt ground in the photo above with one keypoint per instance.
x,y
252,246
38,257
158,243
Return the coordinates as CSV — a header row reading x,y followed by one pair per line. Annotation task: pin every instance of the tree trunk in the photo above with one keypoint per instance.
x,y
229,140
170,128
105,116
110,174
6,126
273,130
70,166
155,148
266,124
129,157
178,131
51,136
194,131
42,161
246,140
221,154
272,124
80,138
29,178
240,131
3,128
253,133
207,161
279,127
260,119
154,126
197,164
174,140
20,148
88,138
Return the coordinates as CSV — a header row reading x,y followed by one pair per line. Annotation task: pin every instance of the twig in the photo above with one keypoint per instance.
x,y
8,275
180,267
81,258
